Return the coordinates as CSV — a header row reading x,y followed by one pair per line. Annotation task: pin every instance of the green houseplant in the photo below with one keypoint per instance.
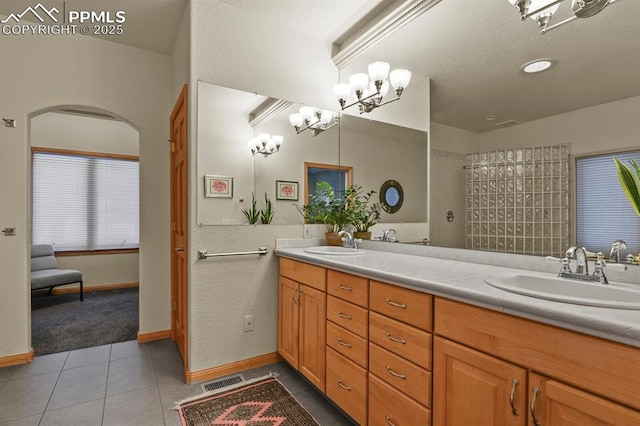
x,y
630,183
266,214
365,214
252,213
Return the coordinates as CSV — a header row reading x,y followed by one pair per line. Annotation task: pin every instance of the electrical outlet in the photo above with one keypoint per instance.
x,y
306,231
248,323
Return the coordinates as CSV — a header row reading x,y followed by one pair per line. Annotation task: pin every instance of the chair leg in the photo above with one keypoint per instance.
x,y
81,294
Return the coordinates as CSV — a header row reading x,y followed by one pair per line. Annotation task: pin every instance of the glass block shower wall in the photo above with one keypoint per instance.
x,y
517,200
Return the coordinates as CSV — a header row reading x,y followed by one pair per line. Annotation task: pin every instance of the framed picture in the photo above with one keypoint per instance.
x,y
286,190
218,186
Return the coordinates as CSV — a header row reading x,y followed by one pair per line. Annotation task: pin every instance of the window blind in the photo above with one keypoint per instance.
x,y
603,212
85,203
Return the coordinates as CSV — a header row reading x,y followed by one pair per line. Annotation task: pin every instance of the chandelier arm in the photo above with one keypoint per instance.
x,y
397,98
361,101
566,21
530,13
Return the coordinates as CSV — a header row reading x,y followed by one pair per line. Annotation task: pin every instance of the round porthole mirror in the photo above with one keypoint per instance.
x,y
391,196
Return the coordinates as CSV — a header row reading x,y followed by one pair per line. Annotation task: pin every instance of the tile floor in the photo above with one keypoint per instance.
x,y
121,384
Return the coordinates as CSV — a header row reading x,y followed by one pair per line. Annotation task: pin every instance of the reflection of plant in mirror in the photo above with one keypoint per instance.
x,y
325,207
365,215
630,184
253,213
266,215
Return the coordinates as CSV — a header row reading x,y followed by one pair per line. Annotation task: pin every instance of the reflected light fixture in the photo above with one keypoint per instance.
x,y
370,89
310,118
542,11
265,144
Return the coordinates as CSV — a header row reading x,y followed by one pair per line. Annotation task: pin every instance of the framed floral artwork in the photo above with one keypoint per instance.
x,y
286,190
218,186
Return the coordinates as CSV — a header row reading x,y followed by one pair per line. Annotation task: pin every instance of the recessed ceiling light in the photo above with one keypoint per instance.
x,y
538,65
491,117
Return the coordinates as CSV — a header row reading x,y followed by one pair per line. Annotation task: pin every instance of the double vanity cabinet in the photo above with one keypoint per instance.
x,y
392,356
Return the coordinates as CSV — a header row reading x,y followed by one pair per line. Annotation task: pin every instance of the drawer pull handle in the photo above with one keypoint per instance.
x,y
512,397
346,345
394,374
396,304
345,316
393,339
389,422
536,392
344,287
345,387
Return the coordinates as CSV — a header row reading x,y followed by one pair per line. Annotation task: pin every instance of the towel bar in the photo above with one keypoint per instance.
x,y
202,254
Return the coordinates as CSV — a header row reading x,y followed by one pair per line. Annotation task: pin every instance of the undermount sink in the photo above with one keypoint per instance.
x,y
334,250
568,291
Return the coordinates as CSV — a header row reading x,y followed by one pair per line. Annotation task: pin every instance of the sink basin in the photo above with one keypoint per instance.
x,y
568,291
334,250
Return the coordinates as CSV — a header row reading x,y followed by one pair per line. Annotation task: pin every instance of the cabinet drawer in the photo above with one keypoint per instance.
x,y
347,315
401,374
401,339
347,385
348,344
348,287
311,275
410,306
389,406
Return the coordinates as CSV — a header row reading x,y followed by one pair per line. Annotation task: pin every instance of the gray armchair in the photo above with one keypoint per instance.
x,y
45,272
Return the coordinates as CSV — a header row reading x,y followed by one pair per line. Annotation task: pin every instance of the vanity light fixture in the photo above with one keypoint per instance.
x,y
370,89
314,119
542,11
265,144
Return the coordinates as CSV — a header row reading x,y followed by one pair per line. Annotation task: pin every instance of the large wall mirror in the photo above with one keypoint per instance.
x,y
481,103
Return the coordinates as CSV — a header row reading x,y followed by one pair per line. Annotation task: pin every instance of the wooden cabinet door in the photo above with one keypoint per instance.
x,y
312,334
554,403
471,388
288,320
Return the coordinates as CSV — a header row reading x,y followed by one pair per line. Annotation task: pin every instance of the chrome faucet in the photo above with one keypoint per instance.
x,y
616,247
386,234
348,240
580,254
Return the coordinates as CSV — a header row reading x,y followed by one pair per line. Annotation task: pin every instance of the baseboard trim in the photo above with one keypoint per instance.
x,y
6,361
234,367
155,335
101,287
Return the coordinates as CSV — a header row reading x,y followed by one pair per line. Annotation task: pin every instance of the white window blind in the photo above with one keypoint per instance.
x,y
603,212
85,203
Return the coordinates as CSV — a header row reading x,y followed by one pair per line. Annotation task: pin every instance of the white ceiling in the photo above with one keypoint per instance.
x,y
471,50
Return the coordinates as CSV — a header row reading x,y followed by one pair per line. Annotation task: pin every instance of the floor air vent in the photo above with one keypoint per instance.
x,y
222,382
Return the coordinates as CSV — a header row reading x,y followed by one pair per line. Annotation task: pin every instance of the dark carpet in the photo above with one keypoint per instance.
x,y
61,323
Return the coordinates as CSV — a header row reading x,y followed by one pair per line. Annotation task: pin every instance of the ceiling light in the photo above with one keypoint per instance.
x,y
537,66
265,144
542,11
491,117
312,118
370,89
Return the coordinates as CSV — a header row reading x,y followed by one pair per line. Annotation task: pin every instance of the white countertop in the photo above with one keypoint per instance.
x,y
463,281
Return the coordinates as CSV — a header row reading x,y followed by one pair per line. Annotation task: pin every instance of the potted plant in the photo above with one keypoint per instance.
x,y
326,208
253,213
365,215
266,215
630,183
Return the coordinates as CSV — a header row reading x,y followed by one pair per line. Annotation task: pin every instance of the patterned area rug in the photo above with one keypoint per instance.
x,y
262,402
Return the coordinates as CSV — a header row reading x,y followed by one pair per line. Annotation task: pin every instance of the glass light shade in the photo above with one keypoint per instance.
x,y
326,117
384,89
537,4
359,81
307,112
264,137
378,71
277,140
255,143
342,90
400,78
270,146
296,120
370,90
